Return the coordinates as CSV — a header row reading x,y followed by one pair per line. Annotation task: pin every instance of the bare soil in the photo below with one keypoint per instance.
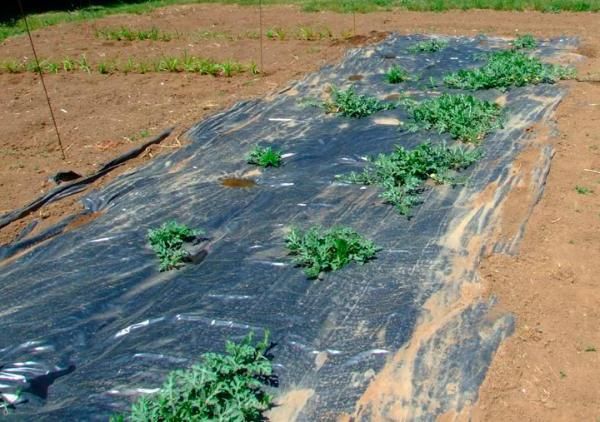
x,y
547,371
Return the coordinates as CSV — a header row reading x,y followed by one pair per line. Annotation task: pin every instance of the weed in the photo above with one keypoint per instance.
x,y
223,387
167,241
401,173
328,250
265,157
350,104
465,117
590,349
508,68
582,190
563,374
524,42
428,46
396,74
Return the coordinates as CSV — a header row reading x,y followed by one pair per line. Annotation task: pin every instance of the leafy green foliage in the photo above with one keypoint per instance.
x,y
350,104
428,46
328,250
265,157
465,117
223,387
396,74
167,241
508,68
524,42
125,34
582,190
401,174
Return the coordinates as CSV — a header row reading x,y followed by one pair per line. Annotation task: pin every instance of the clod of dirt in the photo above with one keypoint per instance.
x,y
237,182
356,77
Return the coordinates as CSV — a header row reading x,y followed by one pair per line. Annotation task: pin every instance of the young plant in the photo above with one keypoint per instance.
x,y
505,69
265,157
276,33
582,190
428,46
167,242
401,174
222,387
350,104
524,42
465,117
396,74
321,250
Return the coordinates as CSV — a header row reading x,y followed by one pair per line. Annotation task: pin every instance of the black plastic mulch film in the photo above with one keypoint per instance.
x,y
88,322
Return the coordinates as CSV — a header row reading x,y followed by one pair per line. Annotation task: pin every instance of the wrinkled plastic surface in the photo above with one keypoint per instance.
x,y
88,323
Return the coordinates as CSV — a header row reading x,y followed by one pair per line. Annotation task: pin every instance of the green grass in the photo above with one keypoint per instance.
x,y
506,69
126,34
264,157
402,173
396,74
464,117
222,387
582,190
41,20
190,64
428,46
321,250
350,104
524,42
167,242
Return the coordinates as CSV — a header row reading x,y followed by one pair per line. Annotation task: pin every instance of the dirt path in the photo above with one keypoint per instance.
x,y
546,371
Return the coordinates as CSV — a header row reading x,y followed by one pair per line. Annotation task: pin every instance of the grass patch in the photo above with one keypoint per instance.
x,y
125,34
265,157
321,250
505,69
396,74
524,42
582,190
350,104
223,387
402,173
464,117
428,46
167,242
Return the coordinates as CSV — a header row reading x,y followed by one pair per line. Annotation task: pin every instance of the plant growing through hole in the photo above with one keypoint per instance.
x,y
264,157
402,173
505,69
167,242
465,117
428,46
396,74
350,104
524,42
222,387
582,190
321,250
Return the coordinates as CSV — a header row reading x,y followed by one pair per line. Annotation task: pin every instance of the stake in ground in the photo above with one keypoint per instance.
x,y
223,387
350,104
264,157
402,173
167,241
465,117
321,250
505,69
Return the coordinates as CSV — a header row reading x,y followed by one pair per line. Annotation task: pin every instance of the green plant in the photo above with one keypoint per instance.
x,y
276,33
126,34
167,242
222,387
465,117
264,157
401,173
328,250
428,46
508,68
582,190
396,74
350,104
526,42
83,64
590,349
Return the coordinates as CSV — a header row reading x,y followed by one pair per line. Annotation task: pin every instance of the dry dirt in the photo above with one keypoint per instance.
x,y
547,371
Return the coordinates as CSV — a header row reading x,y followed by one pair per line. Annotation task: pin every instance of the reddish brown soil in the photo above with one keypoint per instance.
x,y
543,372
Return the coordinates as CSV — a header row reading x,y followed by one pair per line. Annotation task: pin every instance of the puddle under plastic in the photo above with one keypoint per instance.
x,y
237,182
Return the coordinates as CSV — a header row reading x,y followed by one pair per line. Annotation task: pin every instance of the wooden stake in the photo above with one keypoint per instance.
x,y
260,18
39,69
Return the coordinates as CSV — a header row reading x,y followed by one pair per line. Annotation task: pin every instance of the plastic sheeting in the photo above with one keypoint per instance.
x,y
88,323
